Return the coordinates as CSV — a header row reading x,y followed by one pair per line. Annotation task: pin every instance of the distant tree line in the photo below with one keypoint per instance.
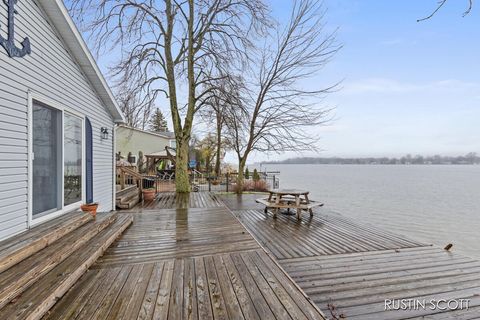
x,y
470,158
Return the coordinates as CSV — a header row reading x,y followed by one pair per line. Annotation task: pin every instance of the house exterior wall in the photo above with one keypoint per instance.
x,y
131,140
49,71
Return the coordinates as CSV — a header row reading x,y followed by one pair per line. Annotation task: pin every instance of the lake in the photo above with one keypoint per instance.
x,y
434,204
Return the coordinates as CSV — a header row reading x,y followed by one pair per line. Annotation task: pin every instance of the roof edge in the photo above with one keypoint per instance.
x,y
158,134
66,28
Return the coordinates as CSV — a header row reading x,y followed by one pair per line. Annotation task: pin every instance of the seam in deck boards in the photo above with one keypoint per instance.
x,y
356,279
162,278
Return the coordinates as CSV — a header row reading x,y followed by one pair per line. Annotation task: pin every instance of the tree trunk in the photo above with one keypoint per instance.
x,y
219,148
240,176
182,180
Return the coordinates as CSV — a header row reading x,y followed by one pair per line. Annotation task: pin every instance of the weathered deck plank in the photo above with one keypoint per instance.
x,y
358,285
172,200
212,287
187,263
178,233
322,234
20,247
349,269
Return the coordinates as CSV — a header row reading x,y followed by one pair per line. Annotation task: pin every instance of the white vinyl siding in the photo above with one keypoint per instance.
x,y
51,72
133,140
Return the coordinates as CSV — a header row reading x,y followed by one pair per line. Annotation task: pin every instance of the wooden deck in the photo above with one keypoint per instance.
x,y
323,234
349,269
185,263
358,284
178,233
43,264
172,200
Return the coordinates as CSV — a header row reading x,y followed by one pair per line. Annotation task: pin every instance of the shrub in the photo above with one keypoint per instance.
x,y
140,162
261,185
247,174
251,185
256,176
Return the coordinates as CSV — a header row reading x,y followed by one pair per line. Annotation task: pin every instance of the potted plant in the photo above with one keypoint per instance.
x,y
90,208
149,194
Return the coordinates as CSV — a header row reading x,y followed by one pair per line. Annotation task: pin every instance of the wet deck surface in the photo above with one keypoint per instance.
x,y
171,200
349,268
195,261
178,233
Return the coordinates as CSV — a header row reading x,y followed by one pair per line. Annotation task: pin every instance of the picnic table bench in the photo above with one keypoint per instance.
x,y
289,199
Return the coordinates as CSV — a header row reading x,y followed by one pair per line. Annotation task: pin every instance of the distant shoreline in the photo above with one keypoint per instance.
x,y
376,164
469,159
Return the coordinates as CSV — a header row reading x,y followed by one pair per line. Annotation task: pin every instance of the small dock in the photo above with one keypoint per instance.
x,y
349,269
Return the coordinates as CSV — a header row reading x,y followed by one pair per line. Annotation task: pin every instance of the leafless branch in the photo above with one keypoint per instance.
x,y
440,5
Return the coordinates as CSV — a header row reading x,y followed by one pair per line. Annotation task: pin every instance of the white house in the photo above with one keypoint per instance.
x,y
134,140
57,118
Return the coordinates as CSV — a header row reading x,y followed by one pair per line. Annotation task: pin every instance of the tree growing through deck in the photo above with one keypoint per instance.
x,y
274,112
171,47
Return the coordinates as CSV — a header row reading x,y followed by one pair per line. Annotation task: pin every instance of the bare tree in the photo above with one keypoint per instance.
x,y
206,151
274,112
173,48
214,116
221,103
137,111
441,3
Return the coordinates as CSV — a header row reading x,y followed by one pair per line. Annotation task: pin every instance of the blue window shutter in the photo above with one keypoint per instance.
x,y
88,161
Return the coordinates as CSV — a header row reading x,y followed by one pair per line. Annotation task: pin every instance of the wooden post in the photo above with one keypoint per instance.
x,y
122,179
297,203
228,181
209,183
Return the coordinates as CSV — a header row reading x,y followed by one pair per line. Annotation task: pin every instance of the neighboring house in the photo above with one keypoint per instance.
x,y
57,118
133,140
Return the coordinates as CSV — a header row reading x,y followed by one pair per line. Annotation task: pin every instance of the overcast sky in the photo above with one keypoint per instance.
x,y
408,87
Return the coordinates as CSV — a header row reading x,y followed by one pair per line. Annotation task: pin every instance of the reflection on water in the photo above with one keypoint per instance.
x,y
433,204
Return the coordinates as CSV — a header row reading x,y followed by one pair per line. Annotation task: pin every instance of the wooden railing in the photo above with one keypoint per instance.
x,y
127,176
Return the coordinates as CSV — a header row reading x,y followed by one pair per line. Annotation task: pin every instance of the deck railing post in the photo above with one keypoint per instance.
x,y
273,186
122,179
228,180
209,183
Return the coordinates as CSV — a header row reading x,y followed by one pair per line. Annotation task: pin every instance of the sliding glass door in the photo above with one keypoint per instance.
x,y
57,175
47,151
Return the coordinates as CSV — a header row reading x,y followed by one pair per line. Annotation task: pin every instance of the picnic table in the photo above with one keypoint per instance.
x,y
289,199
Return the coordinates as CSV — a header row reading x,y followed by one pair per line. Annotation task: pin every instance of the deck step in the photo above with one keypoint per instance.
x,y
20,247
129,199
17,279
126,191
130,204
35,302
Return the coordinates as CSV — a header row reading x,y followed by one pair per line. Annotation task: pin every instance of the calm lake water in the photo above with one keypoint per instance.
x,y
434,204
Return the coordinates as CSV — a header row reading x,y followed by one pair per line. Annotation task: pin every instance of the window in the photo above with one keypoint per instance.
x,y
72,171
